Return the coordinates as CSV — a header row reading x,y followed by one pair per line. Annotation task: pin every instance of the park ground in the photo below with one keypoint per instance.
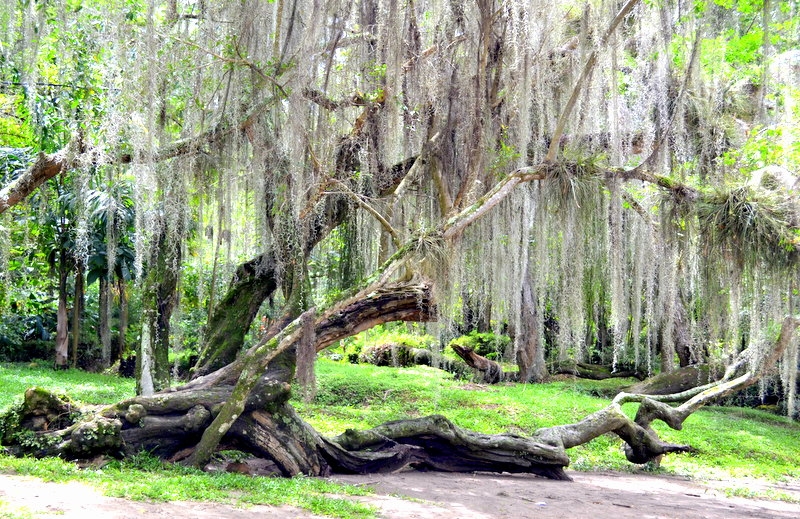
x,y
413,494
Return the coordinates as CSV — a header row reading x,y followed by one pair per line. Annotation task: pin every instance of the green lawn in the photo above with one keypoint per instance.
x,y
731,442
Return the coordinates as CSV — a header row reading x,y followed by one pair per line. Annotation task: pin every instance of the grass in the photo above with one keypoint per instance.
x,y
7,511
144,478
732,442
87,388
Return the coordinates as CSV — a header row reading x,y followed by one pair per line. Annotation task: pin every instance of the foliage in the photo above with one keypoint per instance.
x,y
24,338
367,346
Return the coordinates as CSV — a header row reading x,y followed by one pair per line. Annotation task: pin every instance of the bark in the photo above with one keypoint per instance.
x,y
45,168
104,328
594,371
159,299
676,381
530,351
123,316
492,372
77,313
252,284
62,334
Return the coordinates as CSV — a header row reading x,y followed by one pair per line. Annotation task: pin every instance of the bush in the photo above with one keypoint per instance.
x,y
24,338
387,345
388,354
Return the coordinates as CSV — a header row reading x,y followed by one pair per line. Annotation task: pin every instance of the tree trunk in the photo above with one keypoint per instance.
x,y
252,284
152,355
123,316
104,328
146,372
530,352
62,335
77,312
159,299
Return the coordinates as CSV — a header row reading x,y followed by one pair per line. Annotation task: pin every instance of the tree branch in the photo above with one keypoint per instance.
x,y
359,199
587,70
46,167
456,225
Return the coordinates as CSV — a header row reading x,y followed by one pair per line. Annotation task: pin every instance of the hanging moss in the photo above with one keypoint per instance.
x,y
750,227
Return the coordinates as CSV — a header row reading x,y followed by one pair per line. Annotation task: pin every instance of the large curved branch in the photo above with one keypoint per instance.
x,y
46,167
456,224
642,443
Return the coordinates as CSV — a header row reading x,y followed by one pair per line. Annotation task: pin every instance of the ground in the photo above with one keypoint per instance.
x,y
432,495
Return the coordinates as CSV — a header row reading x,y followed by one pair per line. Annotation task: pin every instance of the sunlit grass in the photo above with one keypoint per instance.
x,y
87,388
144,478
7,511
730,442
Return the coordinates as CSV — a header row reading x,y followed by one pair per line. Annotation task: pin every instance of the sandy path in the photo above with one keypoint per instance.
x,y
436,496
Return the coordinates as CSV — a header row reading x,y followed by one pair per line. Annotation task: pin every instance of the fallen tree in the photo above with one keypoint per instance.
x,y
245,405
492,372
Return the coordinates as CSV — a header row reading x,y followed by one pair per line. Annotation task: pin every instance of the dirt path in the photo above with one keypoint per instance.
x,y
592,494
437,496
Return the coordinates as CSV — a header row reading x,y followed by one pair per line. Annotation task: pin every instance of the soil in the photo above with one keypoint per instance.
x,y
436,495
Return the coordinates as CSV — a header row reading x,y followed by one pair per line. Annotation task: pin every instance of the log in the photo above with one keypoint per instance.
x,y
593,371
491,371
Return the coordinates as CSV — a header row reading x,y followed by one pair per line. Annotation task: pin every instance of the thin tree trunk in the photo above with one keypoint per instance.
x,y
212,291
123,316
152,356
530,352
145,371
62,318
77,313
104,329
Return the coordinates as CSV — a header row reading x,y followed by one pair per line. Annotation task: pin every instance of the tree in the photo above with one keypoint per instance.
x,y
112,257
549,160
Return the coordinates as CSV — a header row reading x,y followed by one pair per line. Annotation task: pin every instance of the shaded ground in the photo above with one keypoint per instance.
x,y
437,495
